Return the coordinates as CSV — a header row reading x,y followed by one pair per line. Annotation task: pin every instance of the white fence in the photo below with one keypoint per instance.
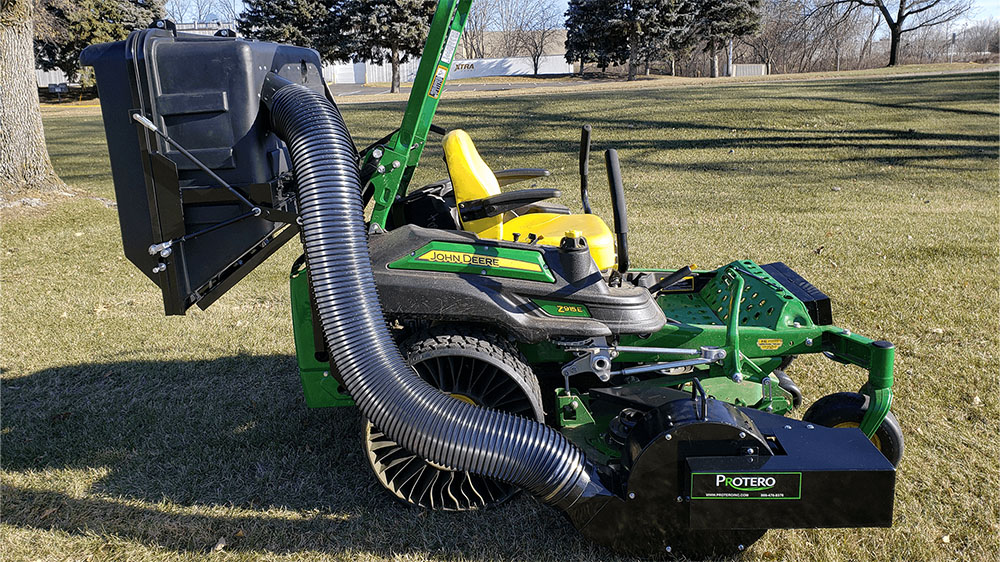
x,y
46,77
361,73
750,70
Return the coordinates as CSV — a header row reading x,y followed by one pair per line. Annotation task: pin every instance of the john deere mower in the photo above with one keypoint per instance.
x,y
493,340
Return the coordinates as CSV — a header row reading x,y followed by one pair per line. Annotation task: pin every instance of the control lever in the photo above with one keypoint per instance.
x,y
670,280
618,202
584,167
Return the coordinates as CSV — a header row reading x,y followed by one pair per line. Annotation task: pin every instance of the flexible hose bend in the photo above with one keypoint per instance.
x,y
411,412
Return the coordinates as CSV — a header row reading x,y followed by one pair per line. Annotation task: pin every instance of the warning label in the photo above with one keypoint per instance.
x,y
438,84
769,344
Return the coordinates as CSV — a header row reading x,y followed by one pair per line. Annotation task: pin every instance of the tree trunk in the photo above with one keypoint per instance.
x,y
729,58
633,55
895,33
715,58
24,158
394,59
673,66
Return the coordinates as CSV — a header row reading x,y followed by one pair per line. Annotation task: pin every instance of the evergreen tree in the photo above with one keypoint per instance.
x,y
723,20
73,25
594,33
680,21
318,24
388,30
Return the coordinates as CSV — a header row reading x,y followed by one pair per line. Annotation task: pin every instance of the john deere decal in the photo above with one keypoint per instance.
x,y
478,260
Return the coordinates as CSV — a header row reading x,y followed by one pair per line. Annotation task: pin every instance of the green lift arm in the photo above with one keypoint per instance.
x,y
393,162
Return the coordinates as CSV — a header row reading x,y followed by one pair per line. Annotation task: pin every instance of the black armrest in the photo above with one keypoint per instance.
x,y
507,177
499,204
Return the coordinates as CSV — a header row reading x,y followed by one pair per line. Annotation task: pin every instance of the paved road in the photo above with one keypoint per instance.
x,y
358,89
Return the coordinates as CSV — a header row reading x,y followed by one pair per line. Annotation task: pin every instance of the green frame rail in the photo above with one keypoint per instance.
x,y
395,160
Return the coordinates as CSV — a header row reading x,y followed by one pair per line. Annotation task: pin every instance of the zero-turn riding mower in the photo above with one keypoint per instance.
x,y
493,340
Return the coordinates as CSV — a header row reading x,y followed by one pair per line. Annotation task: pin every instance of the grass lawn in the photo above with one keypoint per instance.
x,y
128,435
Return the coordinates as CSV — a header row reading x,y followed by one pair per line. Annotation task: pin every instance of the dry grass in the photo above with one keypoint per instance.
x,y
542,85
128,435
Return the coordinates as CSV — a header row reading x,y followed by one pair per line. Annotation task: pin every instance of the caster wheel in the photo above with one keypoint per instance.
x,y
845,409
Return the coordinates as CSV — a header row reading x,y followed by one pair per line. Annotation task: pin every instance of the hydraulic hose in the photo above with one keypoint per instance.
x,y
388,392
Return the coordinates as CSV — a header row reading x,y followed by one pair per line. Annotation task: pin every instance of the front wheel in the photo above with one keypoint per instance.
x,y
845,409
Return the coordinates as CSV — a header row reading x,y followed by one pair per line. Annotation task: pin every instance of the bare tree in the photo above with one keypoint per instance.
x,y
202,10
178,10
228,10
480,21
511,20
24,158
542,22
919,14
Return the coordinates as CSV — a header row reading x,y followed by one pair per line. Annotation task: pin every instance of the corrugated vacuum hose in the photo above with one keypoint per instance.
x,y
408,410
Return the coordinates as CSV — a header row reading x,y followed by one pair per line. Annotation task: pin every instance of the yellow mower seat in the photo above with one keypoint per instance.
x,y
472,178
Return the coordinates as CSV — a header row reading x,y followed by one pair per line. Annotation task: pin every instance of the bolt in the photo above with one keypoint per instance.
x,y
796,325
668,437
160,267
631,495
395,164
788,427
377,153
326,373
846,332
574,404
769,409
482,272
810,426
165,253
737,377
159,24
679,500
743,434
413,253
381,169
749,450
741,547
809,342
669,549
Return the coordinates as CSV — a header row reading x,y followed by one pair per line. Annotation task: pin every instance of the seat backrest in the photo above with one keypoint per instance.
x,y
471,178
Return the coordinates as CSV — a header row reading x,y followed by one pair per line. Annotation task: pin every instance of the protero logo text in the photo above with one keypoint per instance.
x,y
745,483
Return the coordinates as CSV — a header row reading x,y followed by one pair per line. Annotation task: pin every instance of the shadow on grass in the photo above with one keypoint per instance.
x,y
180,453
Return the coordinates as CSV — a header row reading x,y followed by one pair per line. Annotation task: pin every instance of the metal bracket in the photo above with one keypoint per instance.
x,y
595,358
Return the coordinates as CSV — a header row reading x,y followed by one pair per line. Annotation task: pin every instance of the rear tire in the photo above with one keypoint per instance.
x,y
472,365
845,409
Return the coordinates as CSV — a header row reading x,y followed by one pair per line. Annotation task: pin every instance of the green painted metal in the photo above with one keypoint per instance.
x,y
556,308
733,357
878,358
477,259
320,388
398,158
572,408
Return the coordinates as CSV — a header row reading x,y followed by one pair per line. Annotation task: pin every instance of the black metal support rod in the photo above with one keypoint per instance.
x,y
142,120
584,167
255,212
